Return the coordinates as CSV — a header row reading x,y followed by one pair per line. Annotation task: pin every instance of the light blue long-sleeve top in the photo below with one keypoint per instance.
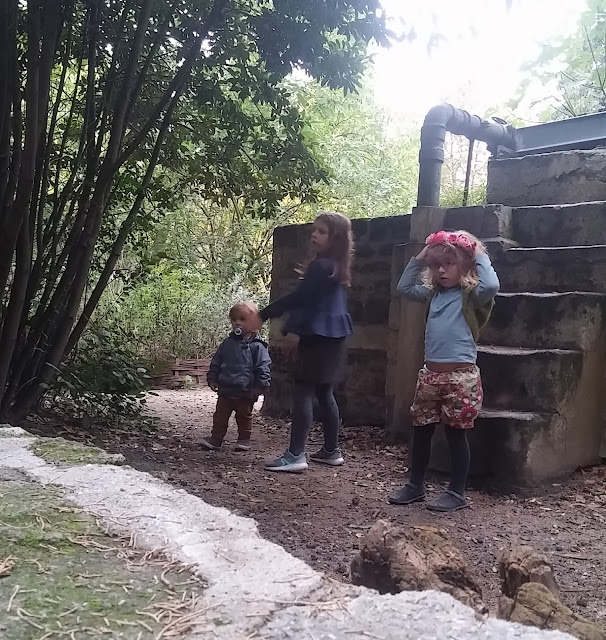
x,y
448,337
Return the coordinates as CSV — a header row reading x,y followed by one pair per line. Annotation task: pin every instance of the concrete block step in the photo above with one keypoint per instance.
x,y
571,320
552,269
502,444
528,380
548,178
561,225
517,449
484,221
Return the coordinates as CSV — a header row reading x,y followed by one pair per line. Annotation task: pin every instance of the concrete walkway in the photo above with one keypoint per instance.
x,y
255,588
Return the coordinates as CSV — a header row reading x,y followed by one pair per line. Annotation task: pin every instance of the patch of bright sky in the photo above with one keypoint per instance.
x,y
478,63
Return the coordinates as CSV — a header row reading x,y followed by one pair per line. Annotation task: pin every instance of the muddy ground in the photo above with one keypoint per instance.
x,y
321,515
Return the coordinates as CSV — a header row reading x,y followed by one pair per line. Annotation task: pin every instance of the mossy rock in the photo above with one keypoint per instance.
x,y
67,453
60,572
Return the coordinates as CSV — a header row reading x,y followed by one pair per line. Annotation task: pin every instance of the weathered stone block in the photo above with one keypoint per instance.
x,y
559,269
394,315
560,225
364,250
528,379
502,445
394,228
356,310
546,320
488,221
286,237
551,178
359,226
426,220
376,311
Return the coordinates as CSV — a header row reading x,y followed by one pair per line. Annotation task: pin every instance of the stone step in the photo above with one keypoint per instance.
x,y
552,269
559,225
519,449
546,320
547,178
484,221
501,446
529,380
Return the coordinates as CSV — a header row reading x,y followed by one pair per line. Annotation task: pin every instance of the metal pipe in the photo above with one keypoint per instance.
x,y
468,172
438,121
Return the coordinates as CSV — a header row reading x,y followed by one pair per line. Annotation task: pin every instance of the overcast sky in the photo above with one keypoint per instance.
x,y
478,65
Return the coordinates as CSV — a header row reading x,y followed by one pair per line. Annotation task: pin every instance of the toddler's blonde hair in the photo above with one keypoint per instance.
x,y
247,307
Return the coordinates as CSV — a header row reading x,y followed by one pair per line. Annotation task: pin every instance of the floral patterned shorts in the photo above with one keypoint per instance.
x,y
454,398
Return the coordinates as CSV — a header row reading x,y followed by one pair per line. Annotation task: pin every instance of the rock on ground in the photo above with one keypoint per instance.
x,y
524,564
394,559
534,604
530,596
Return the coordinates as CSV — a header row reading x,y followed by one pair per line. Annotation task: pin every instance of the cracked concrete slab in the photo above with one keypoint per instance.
x,y
255,588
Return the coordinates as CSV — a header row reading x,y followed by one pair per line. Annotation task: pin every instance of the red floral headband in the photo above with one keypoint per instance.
x,y
457,239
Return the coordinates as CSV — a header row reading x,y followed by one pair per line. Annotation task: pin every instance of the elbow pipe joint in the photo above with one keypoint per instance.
x,y
439,120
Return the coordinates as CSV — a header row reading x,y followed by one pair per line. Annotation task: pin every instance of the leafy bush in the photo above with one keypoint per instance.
x,y
175,313
104,379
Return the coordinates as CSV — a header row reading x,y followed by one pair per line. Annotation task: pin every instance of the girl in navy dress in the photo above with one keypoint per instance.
x,y
317,313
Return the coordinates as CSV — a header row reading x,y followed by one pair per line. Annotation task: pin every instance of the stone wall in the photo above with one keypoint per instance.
x,y
361,397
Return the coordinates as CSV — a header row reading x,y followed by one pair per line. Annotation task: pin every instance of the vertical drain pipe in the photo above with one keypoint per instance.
x,y
468,172
439,120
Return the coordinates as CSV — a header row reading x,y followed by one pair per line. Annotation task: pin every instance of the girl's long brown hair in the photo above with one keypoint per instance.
x,y
340,244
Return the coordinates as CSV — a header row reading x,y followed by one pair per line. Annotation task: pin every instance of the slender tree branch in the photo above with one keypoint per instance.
x,y
125,229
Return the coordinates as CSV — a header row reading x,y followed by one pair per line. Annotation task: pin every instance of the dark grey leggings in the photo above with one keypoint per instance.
x,y
303,415
421,452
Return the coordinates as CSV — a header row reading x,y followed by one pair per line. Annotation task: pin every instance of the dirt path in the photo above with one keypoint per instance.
x,y
319,516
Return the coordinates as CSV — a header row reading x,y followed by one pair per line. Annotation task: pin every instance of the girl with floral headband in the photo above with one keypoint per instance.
x,y
454,274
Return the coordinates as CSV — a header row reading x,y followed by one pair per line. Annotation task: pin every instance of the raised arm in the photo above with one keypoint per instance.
x,y
488,281
409,283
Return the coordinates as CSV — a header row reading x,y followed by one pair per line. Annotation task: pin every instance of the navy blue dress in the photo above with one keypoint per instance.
x,y
317,313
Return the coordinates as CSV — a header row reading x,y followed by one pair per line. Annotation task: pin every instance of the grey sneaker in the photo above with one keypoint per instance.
x,y
449,501
213,444
407,495
333,458
288,462
242,445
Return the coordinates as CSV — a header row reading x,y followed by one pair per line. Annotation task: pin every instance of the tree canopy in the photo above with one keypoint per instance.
x,y
108,109
573,69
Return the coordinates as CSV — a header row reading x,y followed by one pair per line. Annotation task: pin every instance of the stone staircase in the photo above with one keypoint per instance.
x,y
542,356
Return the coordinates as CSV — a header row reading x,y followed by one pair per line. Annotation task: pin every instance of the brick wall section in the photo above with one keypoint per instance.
x,y
361,397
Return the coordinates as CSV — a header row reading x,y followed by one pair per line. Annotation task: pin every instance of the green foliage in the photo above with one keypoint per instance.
x,y
205,255
104,379
370,162
572,69
110,109
175,313
456,150
453,197
222,244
